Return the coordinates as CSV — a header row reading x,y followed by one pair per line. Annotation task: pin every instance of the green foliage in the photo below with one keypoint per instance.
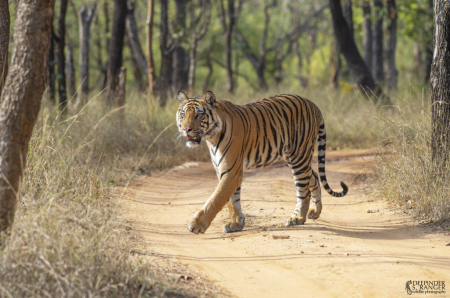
x,y
412,17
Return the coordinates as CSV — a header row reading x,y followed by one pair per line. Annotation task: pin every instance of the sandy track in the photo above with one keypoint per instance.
x,y
347,252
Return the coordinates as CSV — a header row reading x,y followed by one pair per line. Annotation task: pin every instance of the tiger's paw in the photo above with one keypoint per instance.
x,y
294,221
314,211
232,227
199,224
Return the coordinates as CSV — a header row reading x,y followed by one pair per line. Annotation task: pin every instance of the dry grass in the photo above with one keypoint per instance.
x,y
405,172
68,239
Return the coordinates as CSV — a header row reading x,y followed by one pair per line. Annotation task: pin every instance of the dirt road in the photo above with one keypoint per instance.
x,y
347,252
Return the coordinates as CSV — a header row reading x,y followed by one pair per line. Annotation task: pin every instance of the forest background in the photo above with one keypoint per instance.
x,y
84,150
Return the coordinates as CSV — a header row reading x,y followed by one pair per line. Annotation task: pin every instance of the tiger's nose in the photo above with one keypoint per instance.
x,y
188,129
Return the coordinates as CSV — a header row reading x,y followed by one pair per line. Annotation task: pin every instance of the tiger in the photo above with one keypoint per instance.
x,y
255,135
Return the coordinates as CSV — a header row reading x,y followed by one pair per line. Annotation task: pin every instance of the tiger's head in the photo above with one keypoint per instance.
x,y
197,118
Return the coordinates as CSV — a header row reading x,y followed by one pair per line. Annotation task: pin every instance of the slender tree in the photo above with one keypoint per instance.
x,y
228,19
150,60
165,52
335,61
367,34
209,64
258,60
360,73
85,17
70,71
62,92
377,60
51,68
4,40
298,53
440,85
196,35
180,59
115,53
107,35
133,39
428,40
391,42
20,99
280,55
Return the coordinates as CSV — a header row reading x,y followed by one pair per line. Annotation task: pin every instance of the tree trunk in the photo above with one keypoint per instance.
x,y
150,61
391,41
280,57
440,85
106,14
85,19
228,35
133,39
428,39
301,77
261,79
21,98
4,41
121,91
116,48
51,69
209,64
180,60
417,57
165,59
70,70
377,62
335,60
360,73
348,15
138,80
62,92
367,34
196,36
191,74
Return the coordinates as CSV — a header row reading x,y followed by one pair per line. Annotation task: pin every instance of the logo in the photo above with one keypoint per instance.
x,y
425,287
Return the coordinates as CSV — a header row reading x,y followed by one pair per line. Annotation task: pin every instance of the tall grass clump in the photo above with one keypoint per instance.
x,y
67,239
405,172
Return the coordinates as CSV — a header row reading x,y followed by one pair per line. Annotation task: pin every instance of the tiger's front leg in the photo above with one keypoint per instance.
x,y
237,217
227,186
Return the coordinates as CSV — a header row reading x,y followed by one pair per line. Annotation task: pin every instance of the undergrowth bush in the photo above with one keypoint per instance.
x,y
67,239
405,172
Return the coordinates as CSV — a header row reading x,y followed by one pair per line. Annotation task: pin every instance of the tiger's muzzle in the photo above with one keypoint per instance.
x,y
193,140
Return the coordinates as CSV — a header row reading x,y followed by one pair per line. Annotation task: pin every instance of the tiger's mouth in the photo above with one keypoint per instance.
x,y
193,141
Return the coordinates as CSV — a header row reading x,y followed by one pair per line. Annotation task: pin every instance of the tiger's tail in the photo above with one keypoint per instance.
x,y
322,143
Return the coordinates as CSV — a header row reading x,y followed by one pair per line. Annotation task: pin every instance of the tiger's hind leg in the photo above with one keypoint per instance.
x,y
302,181
316,203
237,217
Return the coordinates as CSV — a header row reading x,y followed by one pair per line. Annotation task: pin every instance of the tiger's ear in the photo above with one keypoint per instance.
x,y
210,98
182,97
